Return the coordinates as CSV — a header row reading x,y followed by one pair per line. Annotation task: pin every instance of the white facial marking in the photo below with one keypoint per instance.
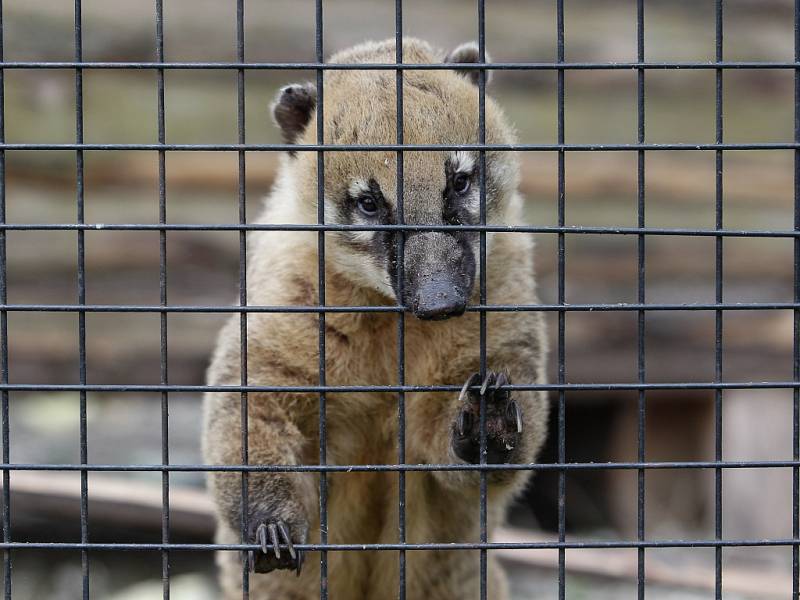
x,y
358,187
462,161
473,202
330,209
362,237
364,270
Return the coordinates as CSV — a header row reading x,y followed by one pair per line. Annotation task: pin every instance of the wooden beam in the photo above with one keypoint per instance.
x,y
622,563
126,503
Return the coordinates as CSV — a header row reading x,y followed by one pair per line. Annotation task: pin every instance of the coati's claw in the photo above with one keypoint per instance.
x,y
270,535
273,534
514,416
503,420
261,535
287,538
464,422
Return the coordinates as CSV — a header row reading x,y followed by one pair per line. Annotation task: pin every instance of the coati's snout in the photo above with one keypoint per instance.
x,y
439,298
439,274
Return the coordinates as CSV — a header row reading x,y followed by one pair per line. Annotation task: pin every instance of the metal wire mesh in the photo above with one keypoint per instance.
x,y
562,230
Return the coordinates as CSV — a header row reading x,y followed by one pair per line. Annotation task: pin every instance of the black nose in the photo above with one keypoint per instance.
x,y
438,299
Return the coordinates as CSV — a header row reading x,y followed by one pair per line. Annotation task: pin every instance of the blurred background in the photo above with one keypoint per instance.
x,y
601,189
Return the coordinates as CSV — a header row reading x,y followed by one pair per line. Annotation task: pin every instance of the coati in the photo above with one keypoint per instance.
x,y
440,271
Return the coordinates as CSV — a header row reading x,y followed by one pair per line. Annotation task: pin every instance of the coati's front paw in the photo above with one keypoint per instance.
x,y
276,539
503,421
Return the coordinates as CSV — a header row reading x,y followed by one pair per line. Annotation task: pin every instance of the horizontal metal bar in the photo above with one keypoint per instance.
x,y
635,147
620,307
576,229
498,66
329,468
360,389
575,545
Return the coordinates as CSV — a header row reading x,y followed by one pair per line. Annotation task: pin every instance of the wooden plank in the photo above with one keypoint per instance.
x,y
122,502
113,501
763,583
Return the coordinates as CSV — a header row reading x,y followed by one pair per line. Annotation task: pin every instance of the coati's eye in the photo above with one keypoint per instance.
x,y
461,183
368,206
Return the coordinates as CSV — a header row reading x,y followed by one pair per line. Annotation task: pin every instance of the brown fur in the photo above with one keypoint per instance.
x,y
361,349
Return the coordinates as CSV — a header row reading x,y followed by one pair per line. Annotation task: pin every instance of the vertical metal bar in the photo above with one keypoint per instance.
x,y
718,272
81,295
162,283
4,332
242,201
562,315
642,403
401,317
323,479
482,292
796,320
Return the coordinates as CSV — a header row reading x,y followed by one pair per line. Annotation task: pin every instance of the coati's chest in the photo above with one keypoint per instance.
x,y
363,426
368,352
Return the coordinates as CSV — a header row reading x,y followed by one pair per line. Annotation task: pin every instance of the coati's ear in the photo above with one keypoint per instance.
x,y
468,53
292,109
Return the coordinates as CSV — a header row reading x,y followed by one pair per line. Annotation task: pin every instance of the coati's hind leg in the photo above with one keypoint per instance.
x,y
503,420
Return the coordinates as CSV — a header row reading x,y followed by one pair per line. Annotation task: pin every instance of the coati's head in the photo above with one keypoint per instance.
x,y
439,187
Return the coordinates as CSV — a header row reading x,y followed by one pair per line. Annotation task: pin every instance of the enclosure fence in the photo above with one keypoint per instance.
x,y
559,388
